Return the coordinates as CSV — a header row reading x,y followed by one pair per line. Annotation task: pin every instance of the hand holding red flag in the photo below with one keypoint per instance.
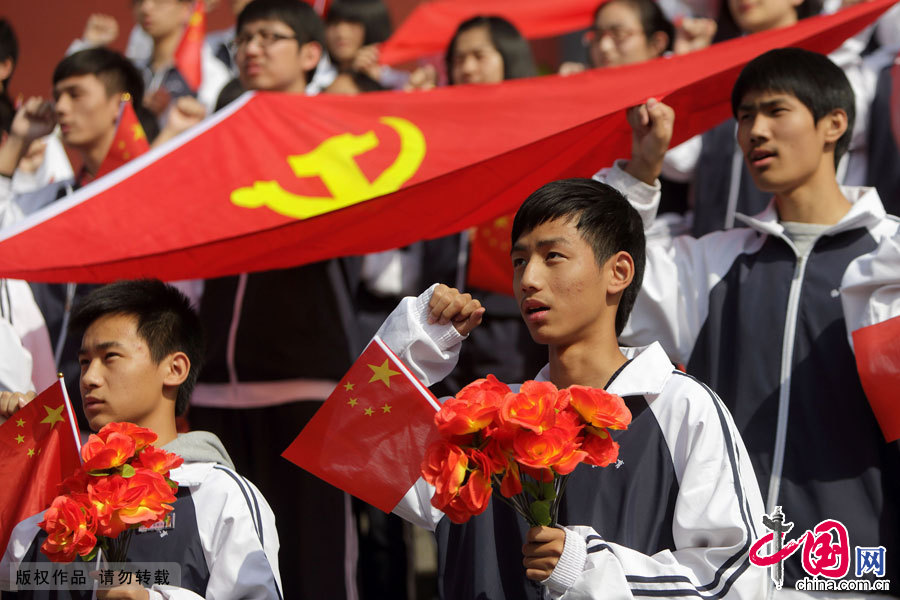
x,y
877,349
39,448
188,55
369,437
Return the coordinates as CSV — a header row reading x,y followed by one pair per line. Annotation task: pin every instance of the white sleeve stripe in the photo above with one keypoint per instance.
x,y
255,517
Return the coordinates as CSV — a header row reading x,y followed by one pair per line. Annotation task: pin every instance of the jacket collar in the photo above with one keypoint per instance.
x,y
866,210
647,372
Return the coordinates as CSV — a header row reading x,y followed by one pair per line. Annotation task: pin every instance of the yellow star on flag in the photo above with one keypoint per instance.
x,y
54,415
31,452
20,423
348,386
386,408
20,439
138,132
352,402
382,373
369,411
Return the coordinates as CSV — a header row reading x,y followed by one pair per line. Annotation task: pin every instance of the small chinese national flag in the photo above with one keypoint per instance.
x,y
129,141
369,437
39,448
489,265
188,55
877,349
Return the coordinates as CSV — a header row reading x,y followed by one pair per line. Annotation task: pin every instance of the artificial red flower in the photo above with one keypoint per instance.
x,y
533,408
554,449
100,454
149,497
108,495
473,408
69,524
601,450
158,460
599,408
475,494
511,483
142,436
444,467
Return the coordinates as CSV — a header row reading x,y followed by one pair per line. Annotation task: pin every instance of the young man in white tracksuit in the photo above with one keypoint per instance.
x,y
763,313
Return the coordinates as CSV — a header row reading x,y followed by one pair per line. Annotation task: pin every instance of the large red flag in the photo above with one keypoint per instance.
x,y
429,28
39,447
877,349
369,437
279,180
129,142
189,53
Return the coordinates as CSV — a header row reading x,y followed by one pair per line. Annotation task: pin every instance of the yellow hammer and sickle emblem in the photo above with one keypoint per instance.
x,y
334,162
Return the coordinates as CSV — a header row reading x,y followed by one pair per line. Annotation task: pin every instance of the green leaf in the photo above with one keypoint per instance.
x,y
540,512
91,555
127,471
532,487
103,473
549,490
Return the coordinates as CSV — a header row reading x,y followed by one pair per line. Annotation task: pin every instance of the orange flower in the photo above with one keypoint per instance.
x,y
444,467
158,460
600,447
148,499
556,448
101,454
142,436
69,524
475,494
473,408
75,483
511,483
599,408
533,408
107,496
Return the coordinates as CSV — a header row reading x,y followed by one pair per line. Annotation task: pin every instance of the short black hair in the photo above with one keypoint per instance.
x,y
9,48
118,74
518,61
296,14
165,320
651,16
371,14
809,76
605,220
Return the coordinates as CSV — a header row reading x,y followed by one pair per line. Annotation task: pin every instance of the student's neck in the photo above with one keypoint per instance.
x,y
93,156
819,201
164,50
163,425
590,364
298,86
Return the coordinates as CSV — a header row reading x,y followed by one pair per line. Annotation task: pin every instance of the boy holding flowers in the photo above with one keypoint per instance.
x,y
139,356
678,510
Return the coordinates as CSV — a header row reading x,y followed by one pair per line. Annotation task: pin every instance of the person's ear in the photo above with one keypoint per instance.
x,y
621,272
658,42
834,125
310,54
177,367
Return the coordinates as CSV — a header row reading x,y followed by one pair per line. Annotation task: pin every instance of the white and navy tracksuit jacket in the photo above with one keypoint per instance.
x,y
674,518
767,329
222,533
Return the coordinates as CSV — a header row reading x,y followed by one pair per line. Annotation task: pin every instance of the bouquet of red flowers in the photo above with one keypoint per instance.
x,y
123,484
525,444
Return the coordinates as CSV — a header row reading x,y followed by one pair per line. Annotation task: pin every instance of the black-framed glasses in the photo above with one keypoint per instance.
x,y
265,39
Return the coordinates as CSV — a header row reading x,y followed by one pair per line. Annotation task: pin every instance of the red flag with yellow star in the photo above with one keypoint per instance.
x,y
489,263
188,54
39,447
129,142
369,437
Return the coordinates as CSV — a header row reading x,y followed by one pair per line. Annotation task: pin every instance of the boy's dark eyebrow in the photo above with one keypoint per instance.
x,y
100,346
517,247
